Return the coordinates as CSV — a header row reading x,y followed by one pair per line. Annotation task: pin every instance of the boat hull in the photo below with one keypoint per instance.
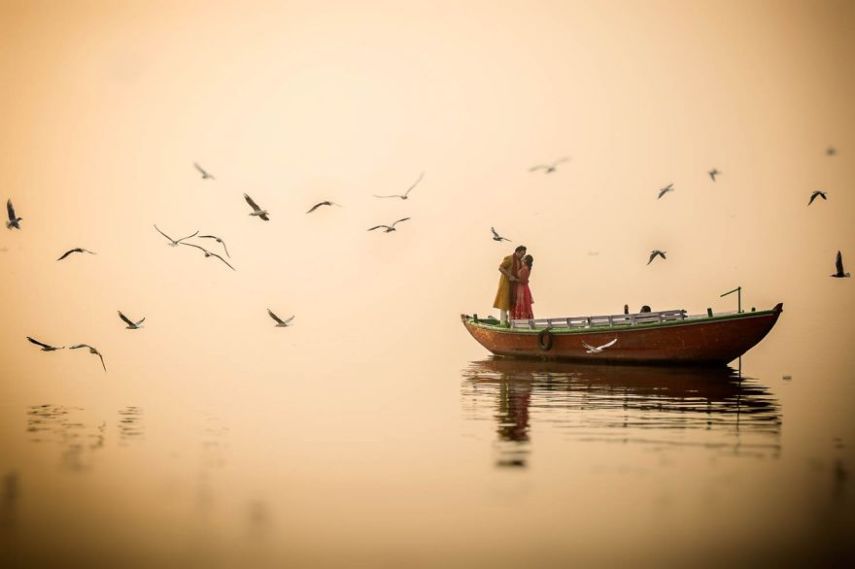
x,y
694,341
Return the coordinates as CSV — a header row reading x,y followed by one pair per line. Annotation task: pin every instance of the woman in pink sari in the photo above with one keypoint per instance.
x,y
522,307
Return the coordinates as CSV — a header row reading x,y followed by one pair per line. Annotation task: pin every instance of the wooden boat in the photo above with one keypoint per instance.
x,y
666,337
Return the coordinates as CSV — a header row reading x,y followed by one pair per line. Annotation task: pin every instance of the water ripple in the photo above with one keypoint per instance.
x,y
658,407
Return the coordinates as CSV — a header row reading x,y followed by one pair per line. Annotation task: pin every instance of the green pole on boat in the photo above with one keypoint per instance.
x,y
738,291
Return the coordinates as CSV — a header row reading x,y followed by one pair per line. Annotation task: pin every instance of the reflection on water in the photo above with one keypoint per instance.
x,y
78,434
212,458
9,492
67,427
130,424
623,404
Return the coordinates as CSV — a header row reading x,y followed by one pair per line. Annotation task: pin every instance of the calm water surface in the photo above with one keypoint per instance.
x,y
416,459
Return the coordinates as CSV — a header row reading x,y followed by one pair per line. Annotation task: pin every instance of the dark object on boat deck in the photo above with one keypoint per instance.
x,y
644,308
669,337
709,312
626,309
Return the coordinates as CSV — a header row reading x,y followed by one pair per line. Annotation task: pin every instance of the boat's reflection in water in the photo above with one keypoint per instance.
x,y
655,406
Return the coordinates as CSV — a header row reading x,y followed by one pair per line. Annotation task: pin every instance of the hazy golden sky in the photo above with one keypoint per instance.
x,y
106,105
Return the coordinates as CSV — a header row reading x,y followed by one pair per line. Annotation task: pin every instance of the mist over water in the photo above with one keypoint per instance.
x,y
374,430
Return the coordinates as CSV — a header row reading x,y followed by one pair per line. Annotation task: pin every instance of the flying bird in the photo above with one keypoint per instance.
x,y
75,250
656,253
319,204
405,194
131,325
497,237
205,174
665,190
209,254
713,173
91,351
218,240
45,347
279,322
14,220
548,168
257,211
815,194
597,349
839,266
389,228
174,242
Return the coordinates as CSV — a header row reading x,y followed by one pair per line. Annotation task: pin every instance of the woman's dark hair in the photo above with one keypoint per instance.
x,y
528,260
520,248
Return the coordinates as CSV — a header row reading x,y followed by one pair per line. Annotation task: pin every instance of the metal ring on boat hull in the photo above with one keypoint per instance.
x,y
544,340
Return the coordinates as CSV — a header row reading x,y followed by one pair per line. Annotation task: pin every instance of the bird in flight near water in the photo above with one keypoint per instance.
x,y
549,168
319,204
209,254
597,349
817,194
406,194
75,250
218,240
205,174
389,228
174,242
14,221
838,265
131,325
656,253
43,346
279,322
497,237
256,211
91,351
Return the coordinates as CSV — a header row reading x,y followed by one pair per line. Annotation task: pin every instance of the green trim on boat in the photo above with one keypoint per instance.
x,y
564,330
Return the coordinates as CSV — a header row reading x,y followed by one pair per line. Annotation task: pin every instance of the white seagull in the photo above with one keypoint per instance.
x,y
131,325
257,211
597,349
497,237
91,351
205,174
319,204
174,242
14,220
405,194
75,250
209,254
218,240
549,168
389,228
279,322
45,347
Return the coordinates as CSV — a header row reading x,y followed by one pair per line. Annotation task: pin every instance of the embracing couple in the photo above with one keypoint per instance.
x,y
513,295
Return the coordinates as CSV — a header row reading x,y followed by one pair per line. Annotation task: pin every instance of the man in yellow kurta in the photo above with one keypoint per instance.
x,y
505,295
